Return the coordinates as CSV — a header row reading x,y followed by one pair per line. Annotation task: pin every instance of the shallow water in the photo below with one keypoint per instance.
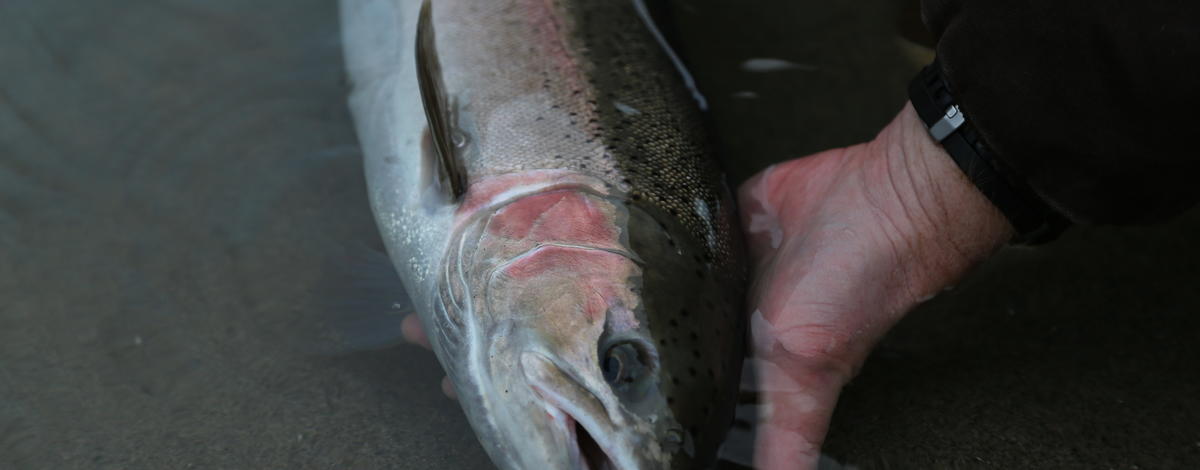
x,y
178,180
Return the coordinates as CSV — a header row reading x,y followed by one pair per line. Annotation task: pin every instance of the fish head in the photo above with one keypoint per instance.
x,y
583,369
576,362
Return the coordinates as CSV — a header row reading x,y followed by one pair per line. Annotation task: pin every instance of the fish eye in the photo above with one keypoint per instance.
x,y
612,368
623,363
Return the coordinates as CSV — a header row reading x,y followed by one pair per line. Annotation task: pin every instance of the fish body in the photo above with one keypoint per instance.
x,y
541,181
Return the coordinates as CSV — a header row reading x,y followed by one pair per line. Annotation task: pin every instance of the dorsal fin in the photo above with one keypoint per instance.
x,y
451,171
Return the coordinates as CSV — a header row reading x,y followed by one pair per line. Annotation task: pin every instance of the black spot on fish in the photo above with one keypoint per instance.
x,y
684,313
673,323
692,371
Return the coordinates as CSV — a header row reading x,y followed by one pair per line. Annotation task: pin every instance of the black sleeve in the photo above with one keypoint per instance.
x,y
1095,103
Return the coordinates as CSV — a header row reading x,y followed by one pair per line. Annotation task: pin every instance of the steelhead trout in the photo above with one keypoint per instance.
x,y
541,181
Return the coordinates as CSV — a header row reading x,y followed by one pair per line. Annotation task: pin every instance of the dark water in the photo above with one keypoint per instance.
x,y
177,178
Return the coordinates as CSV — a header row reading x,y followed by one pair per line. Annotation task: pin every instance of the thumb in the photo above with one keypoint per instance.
x,y
798,396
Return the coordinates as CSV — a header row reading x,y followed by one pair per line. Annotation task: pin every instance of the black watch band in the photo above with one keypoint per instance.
x,y
931,97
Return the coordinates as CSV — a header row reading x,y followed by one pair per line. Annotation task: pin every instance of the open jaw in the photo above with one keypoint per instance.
x,y
585,451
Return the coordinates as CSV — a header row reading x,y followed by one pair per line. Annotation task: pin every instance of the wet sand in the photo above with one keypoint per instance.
x,y
178,179
179,185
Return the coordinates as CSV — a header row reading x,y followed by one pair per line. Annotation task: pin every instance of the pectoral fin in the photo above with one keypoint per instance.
x,y
446,154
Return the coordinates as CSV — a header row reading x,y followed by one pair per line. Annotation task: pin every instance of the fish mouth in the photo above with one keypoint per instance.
x,y
585,451
597,433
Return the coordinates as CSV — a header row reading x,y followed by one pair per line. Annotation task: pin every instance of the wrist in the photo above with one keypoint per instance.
x,y
940,223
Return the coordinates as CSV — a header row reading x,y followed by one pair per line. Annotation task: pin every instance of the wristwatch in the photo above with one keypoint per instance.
x,y
1034,221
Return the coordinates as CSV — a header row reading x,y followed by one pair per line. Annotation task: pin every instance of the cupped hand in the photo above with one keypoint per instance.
x,y
844,243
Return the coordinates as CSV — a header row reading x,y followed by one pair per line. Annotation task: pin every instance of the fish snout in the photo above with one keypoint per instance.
x,y
588,414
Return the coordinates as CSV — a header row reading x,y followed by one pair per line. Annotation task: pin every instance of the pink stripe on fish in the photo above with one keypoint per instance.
x,y
493,191
549,25
563,215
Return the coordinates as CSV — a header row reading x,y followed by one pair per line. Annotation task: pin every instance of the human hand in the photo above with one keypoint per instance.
x,y
844,243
